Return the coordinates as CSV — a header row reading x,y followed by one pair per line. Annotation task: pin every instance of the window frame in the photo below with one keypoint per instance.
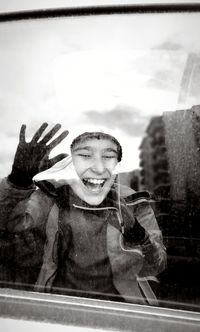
x,y
88,312
107,315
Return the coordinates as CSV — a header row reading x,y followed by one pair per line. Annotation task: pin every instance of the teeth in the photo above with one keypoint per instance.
x,y
95,181
95,185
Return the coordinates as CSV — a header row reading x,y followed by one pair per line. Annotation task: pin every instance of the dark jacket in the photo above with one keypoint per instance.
x,y
31,230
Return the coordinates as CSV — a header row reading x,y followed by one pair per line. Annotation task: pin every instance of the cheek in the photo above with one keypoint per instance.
x,y
111,166
80,166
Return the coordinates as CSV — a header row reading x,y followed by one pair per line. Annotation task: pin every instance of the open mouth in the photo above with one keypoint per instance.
x,y
94,184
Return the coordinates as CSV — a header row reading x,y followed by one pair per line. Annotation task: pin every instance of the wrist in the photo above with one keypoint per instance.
x,y
20,178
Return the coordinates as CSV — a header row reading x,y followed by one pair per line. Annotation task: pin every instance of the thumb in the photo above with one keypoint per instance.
x,y
51,162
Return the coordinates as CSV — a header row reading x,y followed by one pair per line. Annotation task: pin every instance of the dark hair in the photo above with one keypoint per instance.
x,y
97,135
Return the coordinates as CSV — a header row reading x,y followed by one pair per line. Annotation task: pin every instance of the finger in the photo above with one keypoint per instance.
x,y
56,159
51,133
22,133
58,140
39,132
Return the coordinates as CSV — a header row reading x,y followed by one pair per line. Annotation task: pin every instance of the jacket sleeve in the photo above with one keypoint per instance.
x,y
23,213
22,209
10,196
153,249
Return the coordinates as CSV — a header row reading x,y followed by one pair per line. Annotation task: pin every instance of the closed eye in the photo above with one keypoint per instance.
x,y
84,155
109,157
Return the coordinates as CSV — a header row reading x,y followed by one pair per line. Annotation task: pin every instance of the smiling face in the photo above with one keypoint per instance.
x,y
94,160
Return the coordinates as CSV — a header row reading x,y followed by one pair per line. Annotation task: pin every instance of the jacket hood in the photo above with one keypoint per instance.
x,y
60,174
63,173
54,188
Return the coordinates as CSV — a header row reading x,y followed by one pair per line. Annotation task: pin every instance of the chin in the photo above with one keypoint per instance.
x,y
90,196
94,200
96,197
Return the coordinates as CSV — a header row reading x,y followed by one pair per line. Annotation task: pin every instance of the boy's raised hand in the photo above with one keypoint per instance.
x,y
33,157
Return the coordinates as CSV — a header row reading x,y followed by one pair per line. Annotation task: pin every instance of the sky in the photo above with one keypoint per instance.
x,y
110,73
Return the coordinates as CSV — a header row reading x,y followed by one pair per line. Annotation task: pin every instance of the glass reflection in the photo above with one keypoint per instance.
x,y
142,89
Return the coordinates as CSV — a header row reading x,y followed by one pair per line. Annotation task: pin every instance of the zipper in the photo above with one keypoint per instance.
x,y
140,200
94,209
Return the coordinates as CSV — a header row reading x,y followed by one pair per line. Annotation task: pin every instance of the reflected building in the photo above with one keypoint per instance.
x,y
183,146
155,170
190,79
170,169
131,179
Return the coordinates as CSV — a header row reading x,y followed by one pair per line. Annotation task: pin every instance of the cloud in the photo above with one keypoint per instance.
x,y
128,119
162,80
168,69
168,45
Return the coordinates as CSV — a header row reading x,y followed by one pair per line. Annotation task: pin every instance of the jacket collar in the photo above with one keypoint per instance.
x,y
65,197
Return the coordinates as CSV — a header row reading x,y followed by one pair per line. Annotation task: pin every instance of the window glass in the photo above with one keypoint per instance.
x,y
126,87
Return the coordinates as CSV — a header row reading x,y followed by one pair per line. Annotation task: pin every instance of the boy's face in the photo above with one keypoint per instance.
x,y
94,161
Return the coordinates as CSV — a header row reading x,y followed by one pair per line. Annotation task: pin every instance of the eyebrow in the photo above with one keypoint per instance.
x,y
82,148
88,148
110,150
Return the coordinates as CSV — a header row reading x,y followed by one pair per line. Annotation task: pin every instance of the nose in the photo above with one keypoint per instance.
x,y
98,166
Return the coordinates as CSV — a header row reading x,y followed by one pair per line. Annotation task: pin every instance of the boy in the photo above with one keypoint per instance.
x,y
87,237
